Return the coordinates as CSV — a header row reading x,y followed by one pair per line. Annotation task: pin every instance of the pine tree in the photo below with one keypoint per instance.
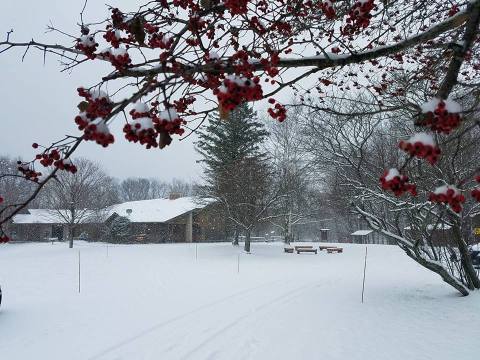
x,y
118,229
235,167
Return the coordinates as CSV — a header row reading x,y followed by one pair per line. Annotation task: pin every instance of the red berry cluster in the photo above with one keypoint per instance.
x,y
160,40
148,125
453,10
270,66
98,103
168,122
92,120
236,90
392,180
236,7
328,10
29,173
420,150
4,239
141,128
65,164
113,37
441,120
87,45
97,130
450,195
118,57
476,191
48,158
358,17
476,194
118,18
278,112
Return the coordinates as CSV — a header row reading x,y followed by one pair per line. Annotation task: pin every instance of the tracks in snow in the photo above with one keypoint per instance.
x,y
195,329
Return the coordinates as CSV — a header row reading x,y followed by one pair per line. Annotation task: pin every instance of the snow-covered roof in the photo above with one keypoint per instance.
x,y
361,232
49,216
157,210
143,211
432,227
38,216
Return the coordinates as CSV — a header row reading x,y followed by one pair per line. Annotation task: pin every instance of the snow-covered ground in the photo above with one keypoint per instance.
x,y
160,302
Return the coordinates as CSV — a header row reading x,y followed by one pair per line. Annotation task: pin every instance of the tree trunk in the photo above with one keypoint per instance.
x,y
70,237
466,261
440,270
414,254
235,237
288,235
247,241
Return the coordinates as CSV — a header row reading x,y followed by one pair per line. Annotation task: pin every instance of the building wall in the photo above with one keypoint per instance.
x,y
30,232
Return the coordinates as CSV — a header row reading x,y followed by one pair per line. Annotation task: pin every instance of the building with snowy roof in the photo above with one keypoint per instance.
x,y
182,219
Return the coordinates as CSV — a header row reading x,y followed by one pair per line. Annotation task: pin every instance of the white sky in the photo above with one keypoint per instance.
x,y
39,103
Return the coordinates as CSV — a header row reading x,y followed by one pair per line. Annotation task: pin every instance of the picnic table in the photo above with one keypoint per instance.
x,y
305,248
331,249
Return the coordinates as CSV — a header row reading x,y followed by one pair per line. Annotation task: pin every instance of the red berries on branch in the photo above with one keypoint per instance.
x,y
448,194
118,57
442,116
358,17
4,239
28,171
236,7
141,128
65,164
91,118
48,158
397,183
278,112
421,145
114,37
476,194
160,40
476,191
236,90
328,10
148,125
87,44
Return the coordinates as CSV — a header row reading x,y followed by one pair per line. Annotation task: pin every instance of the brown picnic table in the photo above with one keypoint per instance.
x,y
331,249
305,248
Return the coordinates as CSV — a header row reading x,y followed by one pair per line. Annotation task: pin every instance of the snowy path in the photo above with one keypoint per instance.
x,y
159,302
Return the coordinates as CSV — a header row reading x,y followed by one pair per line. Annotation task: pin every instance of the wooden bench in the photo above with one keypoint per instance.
x,y
305,248
325,247
307,251
335,250
288,250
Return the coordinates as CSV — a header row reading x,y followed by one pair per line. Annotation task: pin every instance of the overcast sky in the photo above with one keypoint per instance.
x,y
39,102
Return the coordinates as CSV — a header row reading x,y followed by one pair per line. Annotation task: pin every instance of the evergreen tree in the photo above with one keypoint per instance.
x,y
236,168
118,229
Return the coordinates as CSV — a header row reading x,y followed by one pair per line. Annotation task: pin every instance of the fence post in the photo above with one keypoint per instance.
x,y
364,271
79,268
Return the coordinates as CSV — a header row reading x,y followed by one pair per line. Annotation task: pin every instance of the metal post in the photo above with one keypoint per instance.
x,y
196,251
364,270
79,271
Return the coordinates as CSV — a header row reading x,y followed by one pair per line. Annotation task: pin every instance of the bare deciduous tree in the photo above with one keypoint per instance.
x,y
78,198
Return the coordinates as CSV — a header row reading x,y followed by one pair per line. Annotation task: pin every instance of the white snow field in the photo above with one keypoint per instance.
x,y
160,302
